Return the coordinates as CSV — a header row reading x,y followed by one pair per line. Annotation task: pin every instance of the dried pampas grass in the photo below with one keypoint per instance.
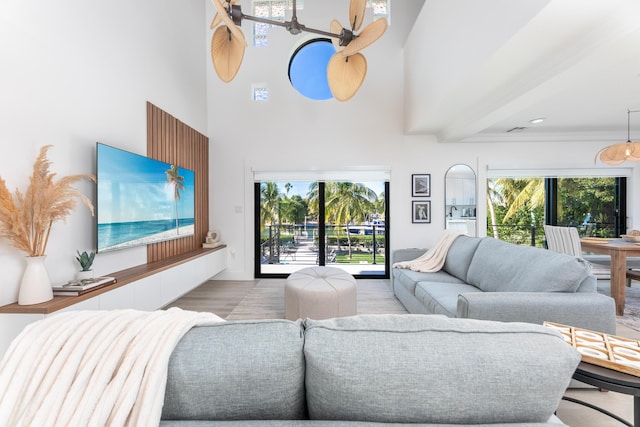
x,y
26,219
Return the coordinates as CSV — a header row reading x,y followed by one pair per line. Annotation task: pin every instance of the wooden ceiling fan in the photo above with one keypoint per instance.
x,y
347,67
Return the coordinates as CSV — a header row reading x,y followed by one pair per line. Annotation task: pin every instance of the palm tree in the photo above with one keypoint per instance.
x,y
492,212
379,204
270,204
516,196
176,181
523,192
270,199
313,198
348,202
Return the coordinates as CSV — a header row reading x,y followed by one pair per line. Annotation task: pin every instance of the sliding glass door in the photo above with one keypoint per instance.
x,y
308,223
592,205
517,208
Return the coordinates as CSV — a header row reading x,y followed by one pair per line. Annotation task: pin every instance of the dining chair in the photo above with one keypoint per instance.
x,y
567,240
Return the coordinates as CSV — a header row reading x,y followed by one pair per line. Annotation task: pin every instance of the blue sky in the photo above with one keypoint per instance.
x,y
132,187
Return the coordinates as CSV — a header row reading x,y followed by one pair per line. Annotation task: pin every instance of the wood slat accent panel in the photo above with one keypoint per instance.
x,y
172,141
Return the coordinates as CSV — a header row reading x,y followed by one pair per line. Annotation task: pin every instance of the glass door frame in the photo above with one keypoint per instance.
x,y
321,235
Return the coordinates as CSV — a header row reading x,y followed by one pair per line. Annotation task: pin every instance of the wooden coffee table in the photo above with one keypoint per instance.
x,y
609,379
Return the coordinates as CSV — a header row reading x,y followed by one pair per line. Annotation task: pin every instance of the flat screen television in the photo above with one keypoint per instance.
x,y
141,200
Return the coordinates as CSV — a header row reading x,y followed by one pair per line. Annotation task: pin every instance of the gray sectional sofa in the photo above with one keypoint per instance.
x,y
366,371
485,278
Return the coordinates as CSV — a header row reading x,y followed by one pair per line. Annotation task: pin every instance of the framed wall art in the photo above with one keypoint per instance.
x,y
421,185
421,210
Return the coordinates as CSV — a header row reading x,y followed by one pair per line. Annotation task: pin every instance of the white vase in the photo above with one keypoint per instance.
x,y
84,275
35,286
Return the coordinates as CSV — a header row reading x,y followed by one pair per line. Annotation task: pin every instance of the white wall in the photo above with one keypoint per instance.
x,y
289,132
76,72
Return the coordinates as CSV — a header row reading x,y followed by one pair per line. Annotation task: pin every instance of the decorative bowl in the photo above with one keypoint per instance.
x,y
628,238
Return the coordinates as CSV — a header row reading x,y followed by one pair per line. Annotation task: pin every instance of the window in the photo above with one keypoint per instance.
x,y
270,9
381,9
276,9
260,92
518,207
305,223
308,69
590,204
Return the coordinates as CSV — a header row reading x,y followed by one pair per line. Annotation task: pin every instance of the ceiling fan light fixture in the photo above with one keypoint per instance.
x,y
344,78
537,120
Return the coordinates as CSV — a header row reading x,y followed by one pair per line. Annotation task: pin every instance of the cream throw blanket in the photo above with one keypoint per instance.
x,y
92,368
432,260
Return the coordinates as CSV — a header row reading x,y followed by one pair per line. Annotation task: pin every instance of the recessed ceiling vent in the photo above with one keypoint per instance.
x,y
517,129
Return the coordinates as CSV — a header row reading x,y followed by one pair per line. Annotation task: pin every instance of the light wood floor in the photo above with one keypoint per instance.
x,y
221,297
216,296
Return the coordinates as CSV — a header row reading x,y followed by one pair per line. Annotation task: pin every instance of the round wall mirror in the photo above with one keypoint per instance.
x,y
460,199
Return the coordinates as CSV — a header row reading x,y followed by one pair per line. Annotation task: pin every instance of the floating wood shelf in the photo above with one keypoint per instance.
x,y
123,277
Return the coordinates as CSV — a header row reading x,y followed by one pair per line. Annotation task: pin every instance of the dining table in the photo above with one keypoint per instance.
x,y
619,250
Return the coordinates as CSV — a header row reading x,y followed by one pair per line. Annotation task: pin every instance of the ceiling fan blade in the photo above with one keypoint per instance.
x,y
345,75
368,36
227,52
224,15
356,13
217,19
336,28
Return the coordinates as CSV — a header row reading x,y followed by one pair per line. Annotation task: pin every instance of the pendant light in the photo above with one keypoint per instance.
x,y
618,153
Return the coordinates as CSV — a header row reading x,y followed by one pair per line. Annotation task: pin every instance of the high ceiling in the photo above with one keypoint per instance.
x,y
478,68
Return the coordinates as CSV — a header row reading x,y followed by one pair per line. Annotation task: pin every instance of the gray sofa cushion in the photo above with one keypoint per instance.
x,y
498,266
408,278
249,370
442,298
459,256
397,368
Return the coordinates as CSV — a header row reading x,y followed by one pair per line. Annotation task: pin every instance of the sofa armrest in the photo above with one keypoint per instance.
x,y
406,254
583,310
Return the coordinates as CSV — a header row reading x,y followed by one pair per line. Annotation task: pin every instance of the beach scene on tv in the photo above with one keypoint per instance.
x,y
141,200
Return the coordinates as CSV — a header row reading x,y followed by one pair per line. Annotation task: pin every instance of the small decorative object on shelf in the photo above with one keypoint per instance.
x,y
26,220
86,261
79,287
35,286
212,240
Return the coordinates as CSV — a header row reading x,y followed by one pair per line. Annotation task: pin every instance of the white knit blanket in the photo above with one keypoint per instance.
x,y
432,260
92,368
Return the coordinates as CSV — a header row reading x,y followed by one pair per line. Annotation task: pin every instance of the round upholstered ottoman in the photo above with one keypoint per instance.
x,y
320,293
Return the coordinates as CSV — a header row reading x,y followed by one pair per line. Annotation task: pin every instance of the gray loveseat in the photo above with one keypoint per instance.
x,y
485,278
368,370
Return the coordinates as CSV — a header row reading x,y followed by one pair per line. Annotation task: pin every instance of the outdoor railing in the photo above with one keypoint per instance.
x,y
518,234
534,235
280,244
